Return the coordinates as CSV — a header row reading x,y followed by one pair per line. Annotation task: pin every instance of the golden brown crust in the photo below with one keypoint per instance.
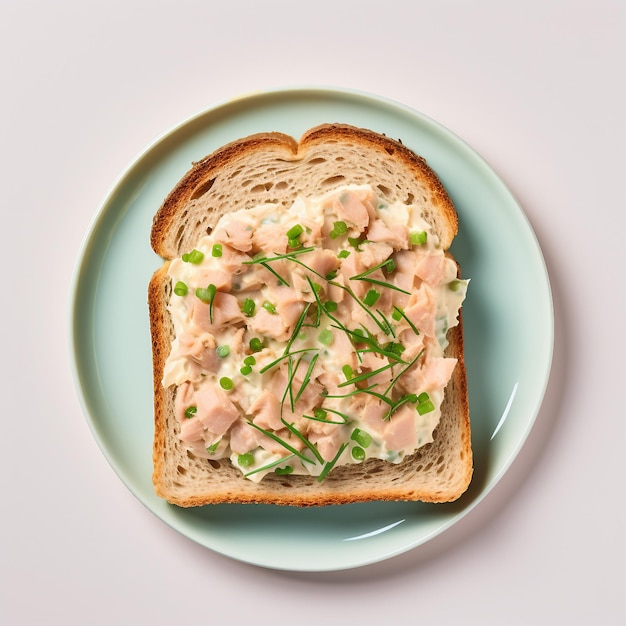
x,y
437,472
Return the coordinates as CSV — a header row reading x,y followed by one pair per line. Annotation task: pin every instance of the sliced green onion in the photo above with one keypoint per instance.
x,y
339,228
283,471
216,250
418,238
295,231
206,295
358,454
320,414
195,257
249,360
245,370
389,266
347,371
326,337
294,243
330,306
226,383
423,397
371,297
397,314
180,289
332,274
269,307
191,411
256,345
361,437
454,285
425,407
343,254
245,460
248,307
355,242
223,351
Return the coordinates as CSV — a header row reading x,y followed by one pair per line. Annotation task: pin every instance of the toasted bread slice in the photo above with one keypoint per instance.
x,y
275,168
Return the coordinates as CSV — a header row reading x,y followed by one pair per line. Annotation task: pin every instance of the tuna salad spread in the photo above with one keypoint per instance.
x,y
312,336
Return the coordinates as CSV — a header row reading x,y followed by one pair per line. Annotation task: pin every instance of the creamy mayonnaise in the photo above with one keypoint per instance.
x,y
312,336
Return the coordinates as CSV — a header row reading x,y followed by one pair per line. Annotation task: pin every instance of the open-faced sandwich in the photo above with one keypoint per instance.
x,y
306,328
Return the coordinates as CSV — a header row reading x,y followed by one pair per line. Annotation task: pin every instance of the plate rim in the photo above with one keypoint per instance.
x,y
331,92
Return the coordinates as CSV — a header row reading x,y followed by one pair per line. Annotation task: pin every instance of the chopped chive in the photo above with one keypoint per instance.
x,y
324,420
280,279
361,437
332,274
307,377
329,466
418,238
326,337
216,250
284,444
292,429
269,307
295,231
320,413
423,397
397,311
330,306
362,305
245,370
288,255
406,369
284,356
339,228
256,345
364,390
425,407
248,307
195,257
347,372
223,351
297,327
346,419
358,454
371,297
270,465
389,266
180,289
213,447
385,265
361,377
343,254
191,411
394,407
245,460
249,360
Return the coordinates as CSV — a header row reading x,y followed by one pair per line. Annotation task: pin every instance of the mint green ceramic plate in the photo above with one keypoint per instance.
x,y
509,335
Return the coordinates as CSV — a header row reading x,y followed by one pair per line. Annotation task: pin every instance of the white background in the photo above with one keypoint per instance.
x,y
536,87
